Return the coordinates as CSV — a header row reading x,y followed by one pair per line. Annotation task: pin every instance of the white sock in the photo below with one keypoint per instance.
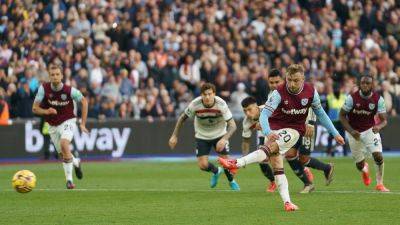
x,y
379,173
365,168
283,187
254,157
75,161
68,170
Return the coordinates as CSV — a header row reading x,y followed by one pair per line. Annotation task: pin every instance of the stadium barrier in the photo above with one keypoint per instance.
x,y
118,138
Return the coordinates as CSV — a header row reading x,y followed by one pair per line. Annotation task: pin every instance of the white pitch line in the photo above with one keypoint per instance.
x,y
123,190
190,190
358,192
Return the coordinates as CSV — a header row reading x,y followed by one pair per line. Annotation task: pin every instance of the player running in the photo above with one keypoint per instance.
x,y
54,101
213,125
283,122
357,117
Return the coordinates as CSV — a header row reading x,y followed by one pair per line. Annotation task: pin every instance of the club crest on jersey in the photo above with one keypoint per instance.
x,y
64,97
371,106
358,104
286,102
50,95
304,101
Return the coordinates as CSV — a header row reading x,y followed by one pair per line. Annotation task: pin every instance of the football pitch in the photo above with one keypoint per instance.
x,y
134,192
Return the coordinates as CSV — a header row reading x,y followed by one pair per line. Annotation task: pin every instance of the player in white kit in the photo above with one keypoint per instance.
x,y
213,125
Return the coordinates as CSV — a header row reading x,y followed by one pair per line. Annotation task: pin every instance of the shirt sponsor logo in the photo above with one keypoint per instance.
x,y
295,111
361,112
58,103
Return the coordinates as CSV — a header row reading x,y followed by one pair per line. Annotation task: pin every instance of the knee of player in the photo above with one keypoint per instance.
x,y
67,159
360,165
203,165
64,143
273,146
378,158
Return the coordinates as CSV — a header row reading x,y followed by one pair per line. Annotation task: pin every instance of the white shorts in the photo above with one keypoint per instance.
x,y
63,131
288,138
369,142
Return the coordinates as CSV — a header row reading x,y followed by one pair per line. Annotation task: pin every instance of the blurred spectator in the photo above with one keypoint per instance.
x,y
126,87
335,101
258,87
4,112
169,73
24,100
189,72
391,100
236,100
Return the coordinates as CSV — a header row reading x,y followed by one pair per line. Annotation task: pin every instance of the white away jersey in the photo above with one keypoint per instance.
x,y
209,123
249,125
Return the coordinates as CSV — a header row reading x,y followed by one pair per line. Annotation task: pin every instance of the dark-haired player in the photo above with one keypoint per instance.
x,y
250,123
357,117
213,125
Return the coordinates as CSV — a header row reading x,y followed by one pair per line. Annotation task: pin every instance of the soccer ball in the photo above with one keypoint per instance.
x,y
24,181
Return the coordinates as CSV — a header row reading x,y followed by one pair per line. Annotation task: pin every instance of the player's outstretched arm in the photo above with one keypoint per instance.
x,y
174,137
84,115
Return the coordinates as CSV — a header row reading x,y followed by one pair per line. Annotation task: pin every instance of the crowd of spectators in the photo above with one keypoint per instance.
x,y
147,59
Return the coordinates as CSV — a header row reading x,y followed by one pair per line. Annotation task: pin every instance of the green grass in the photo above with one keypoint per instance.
x,y
179,193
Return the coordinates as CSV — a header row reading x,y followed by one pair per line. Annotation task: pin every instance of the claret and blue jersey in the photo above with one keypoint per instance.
x,y
286,110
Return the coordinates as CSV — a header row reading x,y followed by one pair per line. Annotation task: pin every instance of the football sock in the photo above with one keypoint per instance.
x,y
267,171
283,186
316,164
68,166
379,173
75,161
365,168
228,175
298,169
211,168
254,157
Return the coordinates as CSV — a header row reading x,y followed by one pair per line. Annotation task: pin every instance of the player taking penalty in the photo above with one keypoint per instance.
x,y
283,123
54,101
